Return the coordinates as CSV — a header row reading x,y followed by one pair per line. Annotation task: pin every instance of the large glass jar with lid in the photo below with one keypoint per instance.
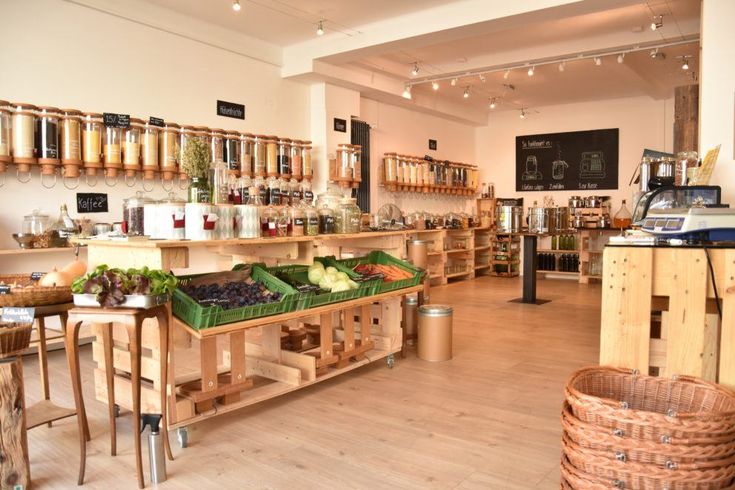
x,y
348,217
284,192
133,214
248,215
242,189
24,141
389,170
47,136
327,224
269,221
168,151
246,154
331,198
130,150
217,142
112,149
307,194
298,220
294,191
312,220
6,134
271,155
92,133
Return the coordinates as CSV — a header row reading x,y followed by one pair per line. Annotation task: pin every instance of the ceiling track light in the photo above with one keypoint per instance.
x,y
685,62
453,82
506,74
562,66
657,22
523,114
236,5
415,69
435,85
320,28
482,78
493,103
621,57
598,61
531,71
466,93
407,92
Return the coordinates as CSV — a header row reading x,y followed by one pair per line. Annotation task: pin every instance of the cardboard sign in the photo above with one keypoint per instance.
x,y
230,109
116,120
92,202
16,314
340,125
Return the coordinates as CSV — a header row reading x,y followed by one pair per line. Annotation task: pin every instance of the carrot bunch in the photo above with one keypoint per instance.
x,y
390,272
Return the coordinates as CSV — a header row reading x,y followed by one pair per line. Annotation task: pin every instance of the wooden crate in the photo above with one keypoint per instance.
x,y
641,285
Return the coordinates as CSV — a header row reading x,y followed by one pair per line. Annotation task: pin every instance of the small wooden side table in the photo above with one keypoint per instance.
x,y
132,319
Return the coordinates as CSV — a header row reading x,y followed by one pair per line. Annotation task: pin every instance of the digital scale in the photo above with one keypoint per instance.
x,y
696,223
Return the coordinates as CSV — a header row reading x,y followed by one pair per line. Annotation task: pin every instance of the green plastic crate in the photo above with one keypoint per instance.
x,y
300,273
379,257
368,287
200,317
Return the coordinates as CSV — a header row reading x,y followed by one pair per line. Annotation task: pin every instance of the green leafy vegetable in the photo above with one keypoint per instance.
x,y
111,285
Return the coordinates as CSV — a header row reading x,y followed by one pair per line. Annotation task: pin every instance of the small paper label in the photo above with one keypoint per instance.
x,y
272,225
18,314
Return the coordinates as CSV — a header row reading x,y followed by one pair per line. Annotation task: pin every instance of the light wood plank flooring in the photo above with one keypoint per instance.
x,y
488,419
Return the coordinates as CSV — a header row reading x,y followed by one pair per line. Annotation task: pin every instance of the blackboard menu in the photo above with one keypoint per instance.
x,y
576,160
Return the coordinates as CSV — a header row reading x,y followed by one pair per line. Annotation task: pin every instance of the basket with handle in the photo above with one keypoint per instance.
x,y
25,292
14,338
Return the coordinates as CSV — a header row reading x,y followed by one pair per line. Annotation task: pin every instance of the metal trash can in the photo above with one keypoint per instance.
x,y
435,332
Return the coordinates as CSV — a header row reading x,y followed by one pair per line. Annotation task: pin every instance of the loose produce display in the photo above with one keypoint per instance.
x,y
110,286
390,273
229,295
330,279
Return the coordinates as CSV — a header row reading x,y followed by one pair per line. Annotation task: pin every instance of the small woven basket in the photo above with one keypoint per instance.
x,y
25,293
682,410
14,338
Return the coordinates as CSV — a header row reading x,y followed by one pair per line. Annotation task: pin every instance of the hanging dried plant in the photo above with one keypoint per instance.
x,y
196,158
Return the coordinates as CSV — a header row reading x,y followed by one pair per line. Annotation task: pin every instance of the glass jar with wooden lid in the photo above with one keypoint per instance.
x,y
307,169
92,134
389,170
24,140
231,152
356,165
168,150
260,158
426,174
47,139
149,150
71,142
246,154
296,159
271,156
419,174
340,167
284,158
217,141
412,172
186,132
131,141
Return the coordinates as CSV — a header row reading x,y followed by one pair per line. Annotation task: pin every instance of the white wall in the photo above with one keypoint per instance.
x,y
717,91
395,129
66,55
643,123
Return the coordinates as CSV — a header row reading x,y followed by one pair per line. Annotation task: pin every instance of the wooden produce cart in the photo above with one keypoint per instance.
x,y
660,313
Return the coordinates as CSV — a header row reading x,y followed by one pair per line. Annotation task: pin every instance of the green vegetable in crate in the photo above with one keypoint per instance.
x,y
330,279
316,272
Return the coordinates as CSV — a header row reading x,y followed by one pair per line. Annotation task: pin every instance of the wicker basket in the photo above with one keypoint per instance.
x,y
682,410
21,295
14,338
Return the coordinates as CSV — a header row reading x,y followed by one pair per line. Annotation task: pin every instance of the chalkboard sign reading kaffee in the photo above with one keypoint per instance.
x,y
576,160
91,202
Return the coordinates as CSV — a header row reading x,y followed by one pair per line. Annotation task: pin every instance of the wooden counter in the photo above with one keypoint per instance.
x,y
660,315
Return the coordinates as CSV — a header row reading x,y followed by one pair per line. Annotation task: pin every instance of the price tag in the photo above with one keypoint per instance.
x,y
35,276
116,120
4,289
18,314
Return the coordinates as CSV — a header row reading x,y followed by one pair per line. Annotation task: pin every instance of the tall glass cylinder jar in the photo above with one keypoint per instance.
x,y
185,134
356,165
246,155
112,150
24,141
168,150
47,139
217,142
389,170
284,158
149,151
6,134
296,159
260,158
92,134
308,170
271,159
343,171
231,151
130,149
71,142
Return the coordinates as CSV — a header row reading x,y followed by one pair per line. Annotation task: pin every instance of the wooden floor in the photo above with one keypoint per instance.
x,y
488,419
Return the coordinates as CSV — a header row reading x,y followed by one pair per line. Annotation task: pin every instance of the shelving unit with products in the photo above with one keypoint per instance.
x,y
506,254
558,255
591,244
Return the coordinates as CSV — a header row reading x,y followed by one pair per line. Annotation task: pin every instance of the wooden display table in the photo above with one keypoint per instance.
x,y
659,312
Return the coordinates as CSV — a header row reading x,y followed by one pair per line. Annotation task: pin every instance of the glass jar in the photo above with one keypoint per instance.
x,y
244,183
348,217
231,152
134,214
219,179
246,154
312,220
217,143
327,224
260,150
168,150
268,222
259,183
92,132
6,134
24,140
35,223
413,172
271,156
47,139
294,191
331,198
248,215
344,170
296,161
284,192
426,170
272,192
298,220
356,165
284,222
308,171
307,195
149,150
389,170
284,157
112,147
199,190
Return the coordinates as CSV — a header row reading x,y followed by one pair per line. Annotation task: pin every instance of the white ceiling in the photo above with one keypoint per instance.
x,y
285,22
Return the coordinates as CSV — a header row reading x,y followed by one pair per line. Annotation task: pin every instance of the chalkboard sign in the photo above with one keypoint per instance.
x,y
14,314
432,144
35,276
230,109
116,120
428,158
511,201
576,160
340,125
156,121
5,289
91,202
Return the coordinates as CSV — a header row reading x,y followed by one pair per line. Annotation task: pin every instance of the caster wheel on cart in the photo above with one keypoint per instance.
x,y
390,361
116,410
182,434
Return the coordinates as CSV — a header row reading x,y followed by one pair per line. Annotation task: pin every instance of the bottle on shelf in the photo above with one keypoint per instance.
x,y
554,242
63,228
623,218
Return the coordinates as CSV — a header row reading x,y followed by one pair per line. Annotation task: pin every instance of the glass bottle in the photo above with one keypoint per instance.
x,y
248,216
294,189
219,176
306,193
284,221
623,218
268,221
284,158
312,220
242,189
285,191
273,192
326,221
259,183
554,242
62,229
298,220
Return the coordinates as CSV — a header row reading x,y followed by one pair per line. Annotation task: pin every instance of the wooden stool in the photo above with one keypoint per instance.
x,y
132,319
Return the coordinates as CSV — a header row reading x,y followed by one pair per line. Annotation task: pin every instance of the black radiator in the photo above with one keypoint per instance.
x,y
361,136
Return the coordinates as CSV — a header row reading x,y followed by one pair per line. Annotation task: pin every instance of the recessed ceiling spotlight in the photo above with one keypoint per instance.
x,y
621,57
523,114
598,61
453,82
657,22
415,69
685,63
466,93
482,78
320,28
493,104
435,85
407,92
236,6
531,71
506,74
562,66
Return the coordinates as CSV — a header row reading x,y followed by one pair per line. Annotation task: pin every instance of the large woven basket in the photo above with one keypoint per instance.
x,y
25,293
682,410
14,338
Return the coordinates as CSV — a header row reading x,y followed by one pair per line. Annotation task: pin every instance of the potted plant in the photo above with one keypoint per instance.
x,y
195,163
